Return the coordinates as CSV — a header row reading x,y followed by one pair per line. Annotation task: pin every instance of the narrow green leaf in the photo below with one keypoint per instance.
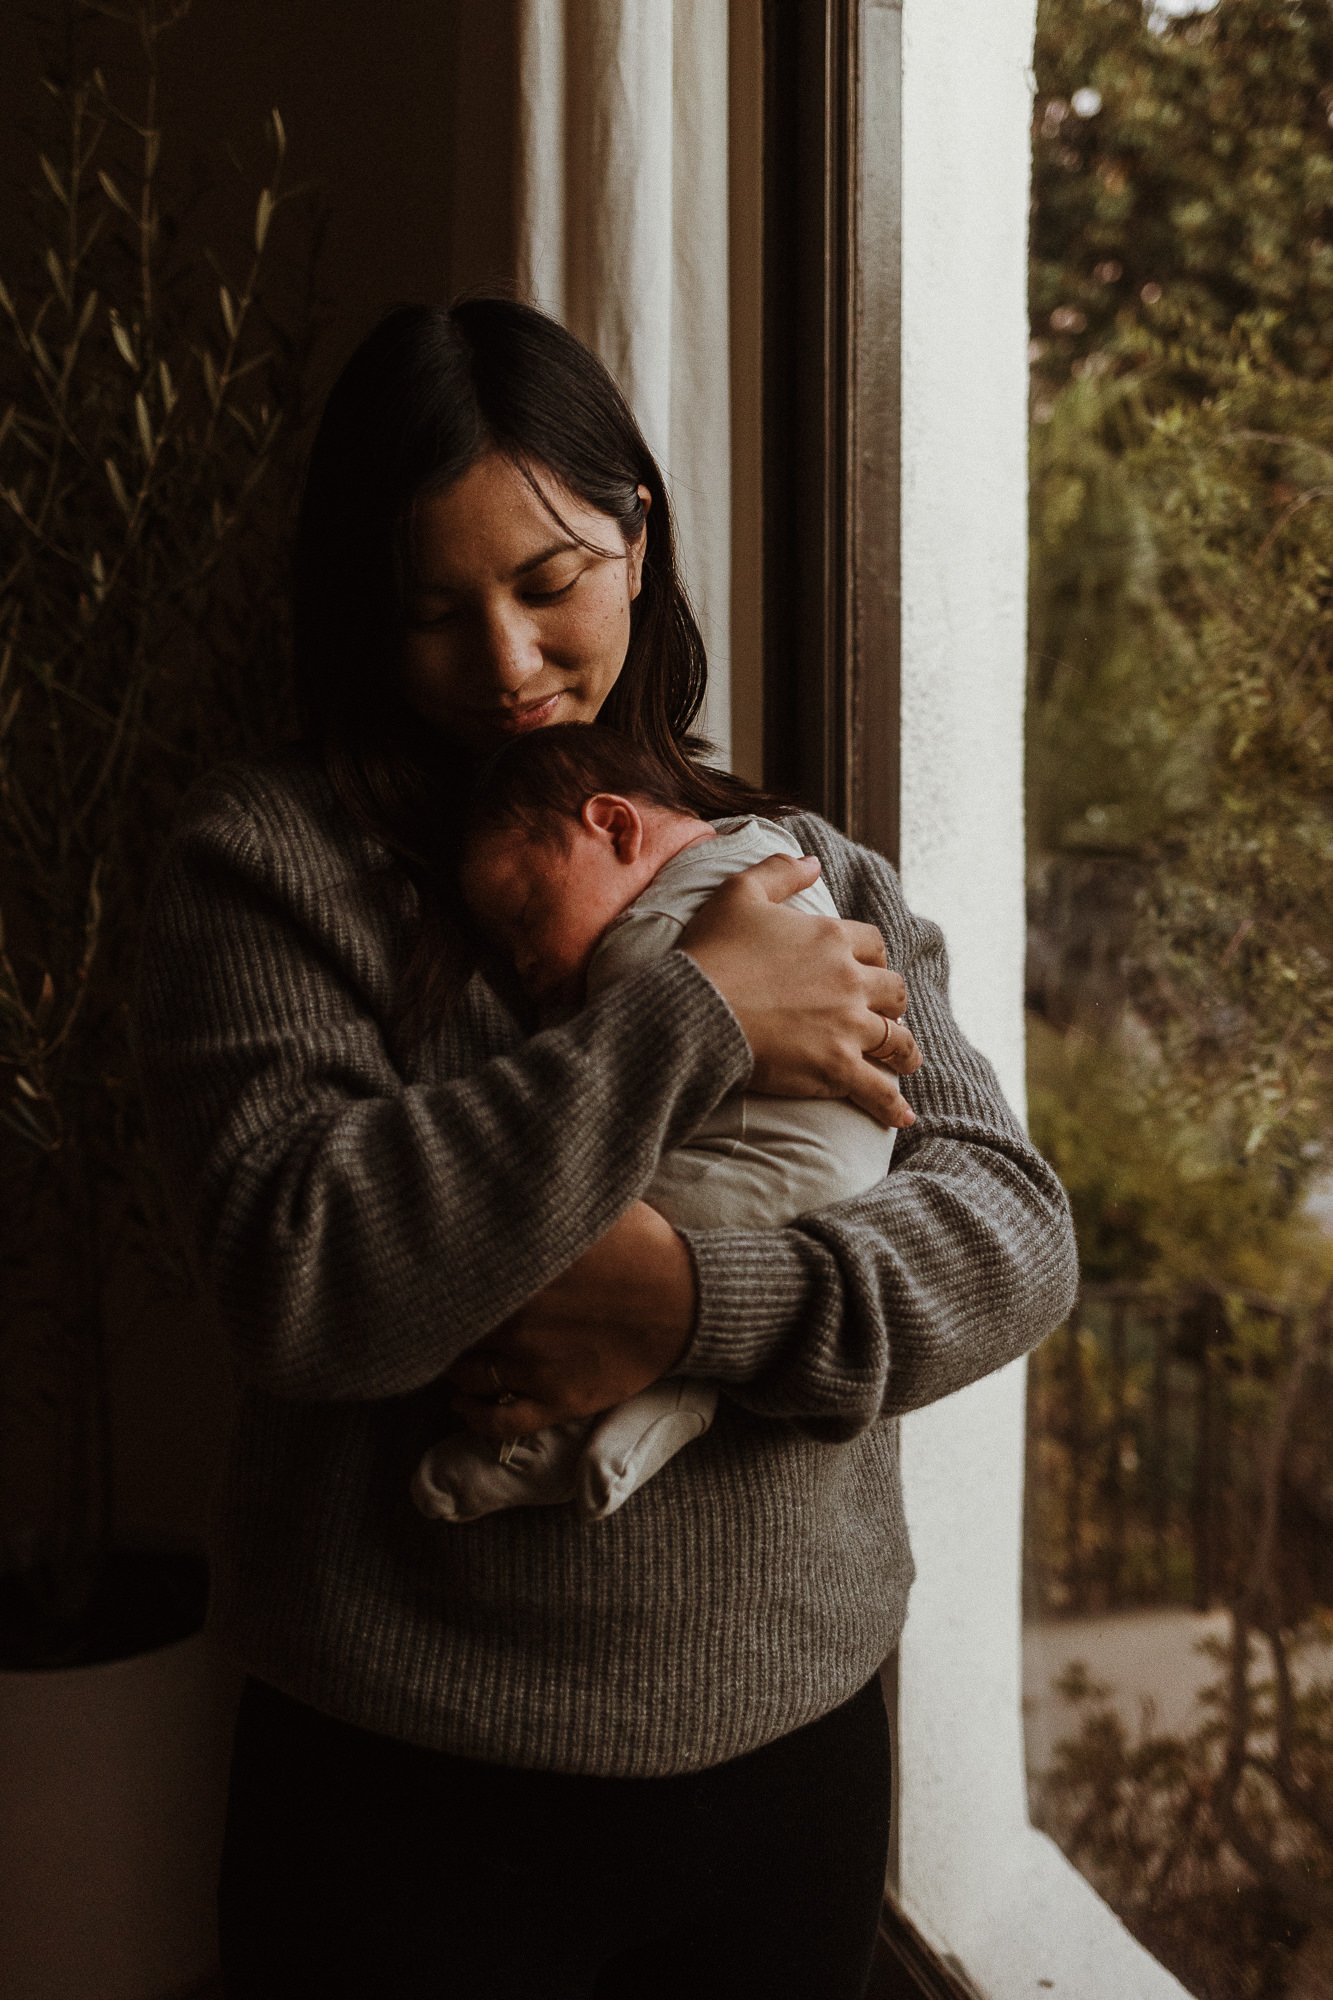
x,y
228,311
19,1119
114,195
55,270
211,378
168,387
279,130
122,339
41,355
45,1001
86,312
263,216
117,485
146,438
53,180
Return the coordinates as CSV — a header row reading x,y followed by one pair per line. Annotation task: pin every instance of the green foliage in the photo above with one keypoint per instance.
x,y
1180,811
1135,1813
1155,1197
143,413
1182,722
1205,176
1146,1818
1180,742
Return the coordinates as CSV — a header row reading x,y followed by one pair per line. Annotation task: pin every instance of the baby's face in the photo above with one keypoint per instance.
x,y
545,900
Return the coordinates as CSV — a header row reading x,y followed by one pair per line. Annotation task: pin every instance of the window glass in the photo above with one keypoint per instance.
x,y
1178,1587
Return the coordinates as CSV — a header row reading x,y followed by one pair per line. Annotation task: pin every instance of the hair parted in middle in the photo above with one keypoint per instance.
x,y
425,396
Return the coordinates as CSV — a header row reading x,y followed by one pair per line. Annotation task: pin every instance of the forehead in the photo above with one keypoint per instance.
x,y
515,856
490,523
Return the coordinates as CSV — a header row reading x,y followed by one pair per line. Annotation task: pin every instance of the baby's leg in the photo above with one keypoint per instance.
x,y
464,1477
632,1442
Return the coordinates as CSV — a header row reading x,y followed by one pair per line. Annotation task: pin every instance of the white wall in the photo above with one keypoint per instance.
x,y
972,1873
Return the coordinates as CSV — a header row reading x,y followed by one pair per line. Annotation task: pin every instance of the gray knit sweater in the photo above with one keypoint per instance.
x,y
361,1215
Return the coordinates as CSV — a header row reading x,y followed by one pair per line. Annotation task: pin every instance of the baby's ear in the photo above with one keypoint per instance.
x,y
617,821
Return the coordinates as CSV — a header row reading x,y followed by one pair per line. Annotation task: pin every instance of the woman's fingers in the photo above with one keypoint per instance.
x,y
771,880
868,949
518,1419
811,993
876,1091
896,1050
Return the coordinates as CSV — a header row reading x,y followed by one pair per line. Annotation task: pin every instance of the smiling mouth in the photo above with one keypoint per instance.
x,y
532,715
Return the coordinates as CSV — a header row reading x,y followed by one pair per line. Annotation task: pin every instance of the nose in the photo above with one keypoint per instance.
x,y
510,648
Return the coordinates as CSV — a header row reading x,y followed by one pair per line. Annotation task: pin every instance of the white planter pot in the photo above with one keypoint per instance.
x,y
112,1790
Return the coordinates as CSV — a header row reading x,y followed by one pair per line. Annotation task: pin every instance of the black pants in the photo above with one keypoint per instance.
x,y
359,1868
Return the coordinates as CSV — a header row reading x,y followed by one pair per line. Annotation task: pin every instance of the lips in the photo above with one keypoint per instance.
x,y
532,715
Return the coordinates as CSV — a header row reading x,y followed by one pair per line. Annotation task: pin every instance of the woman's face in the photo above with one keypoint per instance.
x,y
511,623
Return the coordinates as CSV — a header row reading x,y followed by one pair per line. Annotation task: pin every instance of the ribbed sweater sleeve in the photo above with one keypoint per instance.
x,y
962,1259
358,1229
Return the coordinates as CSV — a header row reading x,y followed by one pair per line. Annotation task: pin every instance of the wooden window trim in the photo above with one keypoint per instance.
x,y
832,420
906,1967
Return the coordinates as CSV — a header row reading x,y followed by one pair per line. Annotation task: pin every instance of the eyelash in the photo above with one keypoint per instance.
x,y
551,596
531,597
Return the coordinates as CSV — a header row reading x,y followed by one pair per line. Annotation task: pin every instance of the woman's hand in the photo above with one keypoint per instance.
x,y
812,994
612,1323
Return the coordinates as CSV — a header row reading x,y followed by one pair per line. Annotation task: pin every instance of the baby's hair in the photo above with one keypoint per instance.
x,y
552,773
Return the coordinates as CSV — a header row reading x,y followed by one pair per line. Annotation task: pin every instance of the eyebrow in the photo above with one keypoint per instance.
x,y
535,562
560,548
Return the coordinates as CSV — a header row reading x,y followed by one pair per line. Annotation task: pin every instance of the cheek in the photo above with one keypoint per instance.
x,y
602,627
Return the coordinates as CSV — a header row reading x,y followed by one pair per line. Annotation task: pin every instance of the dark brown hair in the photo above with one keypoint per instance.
x,y
552,773
421,400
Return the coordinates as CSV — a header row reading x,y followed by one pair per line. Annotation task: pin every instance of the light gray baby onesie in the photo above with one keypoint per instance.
x,y
755,1163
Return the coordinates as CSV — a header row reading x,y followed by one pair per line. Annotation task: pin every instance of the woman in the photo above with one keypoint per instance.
x,y
649,1755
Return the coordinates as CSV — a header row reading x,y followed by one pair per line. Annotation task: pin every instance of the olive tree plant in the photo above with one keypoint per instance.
x,y
143,413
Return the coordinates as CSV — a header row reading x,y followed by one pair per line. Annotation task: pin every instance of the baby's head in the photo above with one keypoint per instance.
x,y
566,827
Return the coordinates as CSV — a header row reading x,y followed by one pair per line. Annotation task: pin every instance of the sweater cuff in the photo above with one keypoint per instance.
x,y
756,1289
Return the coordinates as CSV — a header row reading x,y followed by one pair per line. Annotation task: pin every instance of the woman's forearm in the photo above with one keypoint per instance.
x,y
962,1259
359,1232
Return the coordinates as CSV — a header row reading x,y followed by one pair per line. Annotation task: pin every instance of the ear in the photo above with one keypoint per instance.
x,y
616,820
638,546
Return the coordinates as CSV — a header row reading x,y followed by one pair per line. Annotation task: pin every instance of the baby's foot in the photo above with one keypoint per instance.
x,y
464,1477
627,1445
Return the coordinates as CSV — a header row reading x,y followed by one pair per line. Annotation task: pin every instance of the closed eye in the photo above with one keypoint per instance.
x,y
551,596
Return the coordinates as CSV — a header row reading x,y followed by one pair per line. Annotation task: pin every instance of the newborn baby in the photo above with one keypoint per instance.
x,y
583,861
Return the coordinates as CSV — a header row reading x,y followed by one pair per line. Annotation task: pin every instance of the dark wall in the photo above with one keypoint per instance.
x,y
412,175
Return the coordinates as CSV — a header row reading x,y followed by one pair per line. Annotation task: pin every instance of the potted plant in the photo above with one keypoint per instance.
x,y
145,403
